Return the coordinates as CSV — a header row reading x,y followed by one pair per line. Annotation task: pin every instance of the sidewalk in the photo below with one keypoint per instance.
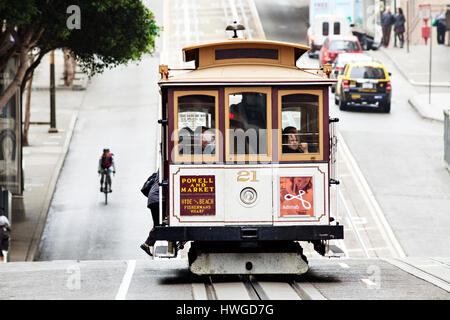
x,y
41,78
414,66
42,160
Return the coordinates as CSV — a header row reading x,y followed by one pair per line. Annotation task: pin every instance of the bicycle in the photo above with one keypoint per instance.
x,y
106,183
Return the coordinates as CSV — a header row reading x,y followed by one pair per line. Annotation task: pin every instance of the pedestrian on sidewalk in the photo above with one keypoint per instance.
x,y
5,231
439,22
151,190
387,20
399,26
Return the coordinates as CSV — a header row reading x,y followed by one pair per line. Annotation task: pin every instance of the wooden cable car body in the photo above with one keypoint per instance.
x,y
245,158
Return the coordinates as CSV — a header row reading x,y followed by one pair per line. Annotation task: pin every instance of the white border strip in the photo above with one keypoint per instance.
x,y
373,205
123,289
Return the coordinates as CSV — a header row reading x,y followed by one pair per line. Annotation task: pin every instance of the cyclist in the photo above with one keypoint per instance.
x,y
104,164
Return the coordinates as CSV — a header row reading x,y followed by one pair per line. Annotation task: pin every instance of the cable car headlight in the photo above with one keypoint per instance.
x,y
248,196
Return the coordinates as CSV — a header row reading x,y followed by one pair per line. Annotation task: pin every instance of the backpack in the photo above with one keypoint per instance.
x,y
148,184
106,161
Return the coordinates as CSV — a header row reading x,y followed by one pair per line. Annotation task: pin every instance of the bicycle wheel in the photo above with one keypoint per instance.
x,y
105,190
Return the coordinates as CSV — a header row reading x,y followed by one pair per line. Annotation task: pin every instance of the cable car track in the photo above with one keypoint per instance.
x,y
251,287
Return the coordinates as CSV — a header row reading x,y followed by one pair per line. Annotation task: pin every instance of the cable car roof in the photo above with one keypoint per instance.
x,y
246,74
245,61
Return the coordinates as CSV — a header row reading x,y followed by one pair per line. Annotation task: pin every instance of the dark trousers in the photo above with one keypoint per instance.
x,y
154,208
105,172
386,35
440,35
401,38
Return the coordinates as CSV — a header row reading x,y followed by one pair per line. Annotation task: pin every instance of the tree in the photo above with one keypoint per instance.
x,y
101,34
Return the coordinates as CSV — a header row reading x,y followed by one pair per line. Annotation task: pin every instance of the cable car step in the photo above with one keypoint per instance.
x,y
334,252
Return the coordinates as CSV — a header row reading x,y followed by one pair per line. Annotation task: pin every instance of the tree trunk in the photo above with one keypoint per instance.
x,y
26,125
6,95
69,68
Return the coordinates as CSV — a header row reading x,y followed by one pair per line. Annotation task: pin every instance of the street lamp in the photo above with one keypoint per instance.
x,y
52,94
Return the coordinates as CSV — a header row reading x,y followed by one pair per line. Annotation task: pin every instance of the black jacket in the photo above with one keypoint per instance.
x,y
4,238
399,25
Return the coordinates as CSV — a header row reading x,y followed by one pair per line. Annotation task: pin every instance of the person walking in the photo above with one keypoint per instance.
x,y
387,20
5,231
439,22
399,26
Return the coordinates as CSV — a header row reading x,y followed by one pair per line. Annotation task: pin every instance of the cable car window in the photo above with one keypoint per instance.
x,y
196,125
247,124
337,28
325,27
243,53
300,124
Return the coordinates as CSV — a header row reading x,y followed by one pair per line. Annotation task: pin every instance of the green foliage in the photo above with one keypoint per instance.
x,y
113,32
18,12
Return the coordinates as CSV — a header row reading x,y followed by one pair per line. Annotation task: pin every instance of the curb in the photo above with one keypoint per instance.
x,y
414,83
416,106
38,231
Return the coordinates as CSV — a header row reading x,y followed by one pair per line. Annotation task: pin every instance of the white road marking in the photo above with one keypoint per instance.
x,y
258,24
368,282
344,265
371,201
199,291
350,220
234,11
419,273
123,289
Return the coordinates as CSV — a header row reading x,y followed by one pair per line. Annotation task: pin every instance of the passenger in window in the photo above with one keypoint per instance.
x,y
208,141
291,141
186,140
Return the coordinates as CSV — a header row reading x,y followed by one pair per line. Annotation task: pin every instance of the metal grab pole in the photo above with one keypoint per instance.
x,y
52,94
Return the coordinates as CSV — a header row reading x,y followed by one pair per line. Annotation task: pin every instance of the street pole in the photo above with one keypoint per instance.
x,y
429,79
52,94
407,26
395,12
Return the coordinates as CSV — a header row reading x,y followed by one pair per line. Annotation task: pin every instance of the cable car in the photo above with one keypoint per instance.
x,y
247,156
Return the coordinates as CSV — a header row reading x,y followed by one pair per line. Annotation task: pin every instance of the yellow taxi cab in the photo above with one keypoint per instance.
x,y
364,83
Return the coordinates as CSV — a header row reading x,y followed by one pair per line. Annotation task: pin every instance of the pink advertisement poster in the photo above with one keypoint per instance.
x,y
296,196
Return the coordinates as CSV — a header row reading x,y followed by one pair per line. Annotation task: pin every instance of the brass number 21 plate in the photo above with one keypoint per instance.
x,y
244,176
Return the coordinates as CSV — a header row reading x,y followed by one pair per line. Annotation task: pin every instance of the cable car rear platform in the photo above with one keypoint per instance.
x,y
256,233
